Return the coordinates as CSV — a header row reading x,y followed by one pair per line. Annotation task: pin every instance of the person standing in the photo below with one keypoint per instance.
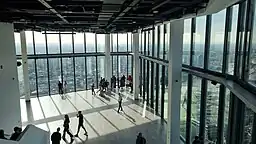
x,y
81,123
66,128
56,137
65,87
60,87
196,140
140,139
93,91
120,99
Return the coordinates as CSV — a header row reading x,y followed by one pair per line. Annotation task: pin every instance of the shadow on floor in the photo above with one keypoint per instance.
x,y
154,132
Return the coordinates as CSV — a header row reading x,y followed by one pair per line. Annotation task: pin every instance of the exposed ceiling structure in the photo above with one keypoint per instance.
x,y
100,16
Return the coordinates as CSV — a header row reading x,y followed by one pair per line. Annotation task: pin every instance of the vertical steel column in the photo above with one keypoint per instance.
x,y
147,82
117,60
221,112
48,71
107,66
174,80
74,64
127,58
61,65
25,65
162,79
85,62
189,102
157,70
152,70
136,76
192,44
34,46
97,75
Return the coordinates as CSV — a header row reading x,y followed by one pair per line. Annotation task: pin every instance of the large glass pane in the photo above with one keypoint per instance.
x,y
122,66
53,43
217,41
40,45
156,41
90,42
252,63
21,79
29,42
91,71
232,45
226,116
54,74
212,106
79,42
17,43
142,43
122,42
150,40
161,52
248,126
100,66
166,94
186,41
114,42
42,77
130,63
130,42
32,77
147,43
183,104
199,41
68,74
114,66
166,41
66,43
100,42
80,73
195,106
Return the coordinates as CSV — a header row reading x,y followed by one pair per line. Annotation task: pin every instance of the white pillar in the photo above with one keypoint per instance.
x,y
9,89
108,64
136,68
174,80
25,65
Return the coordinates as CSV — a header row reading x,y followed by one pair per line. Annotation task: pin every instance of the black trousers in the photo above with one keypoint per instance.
x,y
93,92
120,107
79,126
66,130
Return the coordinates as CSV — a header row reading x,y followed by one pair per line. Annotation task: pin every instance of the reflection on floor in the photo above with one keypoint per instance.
x,y
103,123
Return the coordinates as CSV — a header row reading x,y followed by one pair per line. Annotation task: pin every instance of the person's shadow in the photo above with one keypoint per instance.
x,y
129,117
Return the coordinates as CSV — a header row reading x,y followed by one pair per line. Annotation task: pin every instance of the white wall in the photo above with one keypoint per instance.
x,y
9,91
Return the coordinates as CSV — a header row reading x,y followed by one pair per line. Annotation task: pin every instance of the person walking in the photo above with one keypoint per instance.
x,y
66,128
140,139
56,137
93,91
120,99
80,123
65,87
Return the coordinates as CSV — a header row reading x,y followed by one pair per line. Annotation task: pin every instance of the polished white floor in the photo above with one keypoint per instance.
x,y
100,113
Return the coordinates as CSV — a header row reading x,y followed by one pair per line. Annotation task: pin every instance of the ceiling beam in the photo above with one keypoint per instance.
x,y
53,10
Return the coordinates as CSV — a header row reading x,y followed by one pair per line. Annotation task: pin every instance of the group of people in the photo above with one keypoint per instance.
x,y
62,88
122,82
15,135
56,136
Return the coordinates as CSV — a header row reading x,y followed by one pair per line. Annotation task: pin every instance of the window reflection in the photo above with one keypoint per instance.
x,y
195,106
54,74
79,43
122,66
183,104
29,42
186,42
80,73
130,42
122,42
42,77
217,41
68,74
114,42
199,42
17,43
53,43
100,42
100,66
66,43
248,126
91,71
21,79
32,77
90,42
40,45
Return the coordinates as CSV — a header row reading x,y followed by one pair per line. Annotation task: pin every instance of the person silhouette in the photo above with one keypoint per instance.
x,y
80,123
120,99
56,137
66,128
